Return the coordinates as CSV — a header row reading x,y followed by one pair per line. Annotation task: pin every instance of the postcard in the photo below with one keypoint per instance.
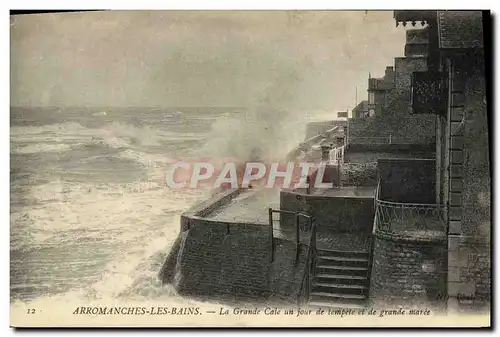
x,y
250,169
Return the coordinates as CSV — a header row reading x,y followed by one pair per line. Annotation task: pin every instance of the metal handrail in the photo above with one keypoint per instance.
x,y
377,191
271,228
306,279
336,155
271,234
297,229
398,217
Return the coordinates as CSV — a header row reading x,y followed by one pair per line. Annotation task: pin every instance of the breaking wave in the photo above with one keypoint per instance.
x,y
262,134
37,148
83,240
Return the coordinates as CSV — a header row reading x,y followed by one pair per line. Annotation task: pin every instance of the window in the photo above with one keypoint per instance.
x,y
371,112
371,98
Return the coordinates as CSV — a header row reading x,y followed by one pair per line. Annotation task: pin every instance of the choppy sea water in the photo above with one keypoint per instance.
x,y
91,218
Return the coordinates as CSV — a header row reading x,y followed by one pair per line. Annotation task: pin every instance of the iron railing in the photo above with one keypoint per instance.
x,y
336,157
297,216
405,219
308,274
336,154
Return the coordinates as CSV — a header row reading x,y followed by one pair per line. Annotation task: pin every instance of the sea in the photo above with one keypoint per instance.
x,y
90,216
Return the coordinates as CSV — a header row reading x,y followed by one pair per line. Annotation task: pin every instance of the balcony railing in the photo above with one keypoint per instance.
x,y
409,220
336,155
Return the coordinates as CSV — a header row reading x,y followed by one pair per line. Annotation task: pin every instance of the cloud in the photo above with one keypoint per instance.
x,y
193,58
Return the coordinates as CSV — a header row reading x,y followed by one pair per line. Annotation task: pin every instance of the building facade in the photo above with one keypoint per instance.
x,y
361,110
454,90
389,100
379,91
410,231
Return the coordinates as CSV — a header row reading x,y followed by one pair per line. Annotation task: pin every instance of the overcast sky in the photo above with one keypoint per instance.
x,y
173,58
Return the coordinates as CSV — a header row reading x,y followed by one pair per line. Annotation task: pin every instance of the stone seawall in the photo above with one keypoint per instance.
x,y
231,260
205,207
307,144
315,128
224,258
405,271
200,209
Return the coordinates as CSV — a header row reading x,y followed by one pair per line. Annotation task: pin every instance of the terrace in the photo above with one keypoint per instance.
x,y
405,200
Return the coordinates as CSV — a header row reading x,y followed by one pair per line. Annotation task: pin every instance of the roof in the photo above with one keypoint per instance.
x,y
460,29
414,16
362,106
377,84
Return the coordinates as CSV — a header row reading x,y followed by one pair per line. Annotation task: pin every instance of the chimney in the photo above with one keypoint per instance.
x,y
325,152
389,73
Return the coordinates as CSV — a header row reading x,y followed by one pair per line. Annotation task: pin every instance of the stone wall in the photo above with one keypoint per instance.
x,y
395,118
167,271
469,242
216,201
394,150
359,174
224,258
469,273
200,209
408,273
330,176
407,180
476,219
286,275
417,129
333,214
231,261
403,69
379,102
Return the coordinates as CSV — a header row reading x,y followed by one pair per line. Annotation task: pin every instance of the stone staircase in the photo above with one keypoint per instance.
x,y
341,279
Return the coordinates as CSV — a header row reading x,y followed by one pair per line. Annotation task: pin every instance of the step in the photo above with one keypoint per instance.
x,y
343,286
335,305
345,277
356,289
337,300
332,252
339,296
343,261
340,279
344,270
